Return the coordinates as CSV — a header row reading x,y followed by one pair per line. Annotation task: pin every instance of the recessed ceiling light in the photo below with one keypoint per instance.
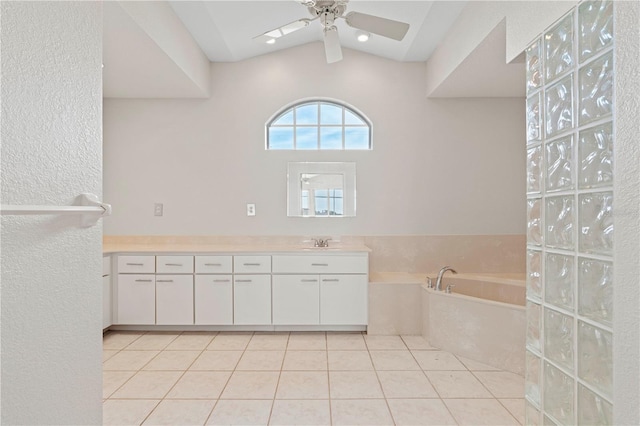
x,y
271,41
362,36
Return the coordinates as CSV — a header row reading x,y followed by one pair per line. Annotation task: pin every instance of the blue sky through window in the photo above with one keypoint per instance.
x,y
319,125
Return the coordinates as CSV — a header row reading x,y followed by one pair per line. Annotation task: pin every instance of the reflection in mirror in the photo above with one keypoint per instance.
x,y
321,189
321,194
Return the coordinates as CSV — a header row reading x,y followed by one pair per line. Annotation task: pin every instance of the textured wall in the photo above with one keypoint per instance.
x,y
438,167
626,349
51,269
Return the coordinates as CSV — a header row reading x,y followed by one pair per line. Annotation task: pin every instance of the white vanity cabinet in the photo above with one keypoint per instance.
x,y
107,291
252,299
214,290
297,290
136,299
296,299
174,290
344,299
174,299
136,290
324,289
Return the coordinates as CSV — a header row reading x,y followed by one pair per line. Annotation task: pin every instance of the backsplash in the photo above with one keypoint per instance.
x,y
420,253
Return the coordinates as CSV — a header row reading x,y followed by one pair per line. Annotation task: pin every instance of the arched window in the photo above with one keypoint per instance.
x,y
319,125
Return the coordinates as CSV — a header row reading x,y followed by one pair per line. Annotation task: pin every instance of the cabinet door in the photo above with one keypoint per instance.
x,y
296,299
343,299
213,299
106,302
174,299
136,299
252,299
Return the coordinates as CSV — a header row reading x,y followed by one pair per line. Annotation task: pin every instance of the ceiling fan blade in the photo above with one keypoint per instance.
x,y
332,48
282,31
377,25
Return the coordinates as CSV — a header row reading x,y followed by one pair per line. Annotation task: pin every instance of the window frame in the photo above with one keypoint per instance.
x,y
319,101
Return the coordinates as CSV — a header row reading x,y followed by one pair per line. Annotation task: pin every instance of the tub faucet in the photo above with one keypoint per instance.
x,y
440,274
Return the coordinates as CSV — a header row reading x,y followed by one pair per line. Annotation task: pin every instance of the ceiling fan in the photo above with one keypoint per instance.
x,y
327,11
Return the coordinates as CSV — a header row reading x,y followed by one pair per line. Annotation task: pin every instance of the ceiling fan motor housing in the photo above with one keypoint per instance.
x,y
328,11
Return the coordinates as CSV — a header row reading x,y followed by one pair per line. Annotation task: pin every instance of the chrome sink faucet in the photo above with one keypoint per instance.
x,y
440,274
321,242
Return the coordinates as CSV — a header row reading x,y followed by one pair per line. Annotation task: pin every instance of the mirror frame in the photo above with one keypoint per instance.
x,y
294,190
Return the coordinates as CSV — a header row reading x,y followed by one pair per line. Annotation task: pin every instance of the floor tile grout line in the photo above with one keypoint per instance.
x,y
228,379
435,389
275,393
162,398
384,395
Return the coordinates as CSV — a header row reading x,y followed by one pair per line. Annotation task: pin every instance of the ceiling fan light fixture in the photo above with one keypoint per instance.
x,y
362,36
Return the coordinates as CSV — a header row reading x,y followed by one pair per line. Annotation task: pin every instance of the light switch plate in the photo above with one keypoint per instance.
x,y
251,209
158,209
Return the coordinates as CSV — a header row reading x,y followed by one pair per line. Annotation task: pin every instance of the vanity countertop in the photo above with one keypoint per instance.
x,y
199,245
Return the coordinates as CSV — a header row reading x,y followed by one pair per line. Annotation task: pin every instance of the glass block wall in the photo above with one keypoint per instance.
x,y
569,220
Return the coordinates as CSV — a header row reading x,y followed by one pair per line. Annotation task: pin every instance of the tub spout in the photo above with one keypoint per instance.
x,y
440,274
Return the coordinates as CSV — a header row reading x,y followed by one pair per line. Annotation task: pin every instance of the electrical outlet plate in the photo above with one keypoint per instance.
x,y
251,209
158,209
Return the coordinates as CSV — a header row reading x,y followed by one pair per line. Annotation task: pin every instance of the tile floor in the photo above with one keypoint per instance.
x,y
196,378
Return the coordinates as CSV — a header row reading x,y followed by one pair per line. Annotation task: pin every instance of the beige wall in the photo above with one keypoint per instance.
x,y
438,167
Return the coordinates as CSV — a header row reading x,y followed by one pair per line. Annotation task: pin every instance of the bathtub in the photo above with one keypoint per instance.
x,y
483,319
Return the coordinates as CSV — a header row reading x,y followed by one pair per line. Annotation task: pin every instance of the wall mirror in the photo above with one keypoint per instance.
x,y
321,189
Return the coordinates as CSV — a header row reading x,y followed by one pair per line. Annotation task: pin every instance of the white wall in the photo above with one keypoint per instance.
x,y
437,167
626,344
525,20
51,270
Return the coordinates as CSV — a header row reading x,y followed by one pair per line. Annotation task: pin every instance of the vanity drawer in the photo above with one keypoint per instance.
x,y
251,264
174,264
214,264
136,264
320,264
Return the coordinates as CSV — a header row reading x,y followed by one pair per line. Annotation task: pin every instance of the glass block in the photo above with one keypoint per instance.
x,y
534,279
534,169
558,338
531,415
533,325
532,378
559,219
558,394
559,280
595,292
559,106
558,43
534,221
595,357
592,409
595,82
595,153
596,223
534,118
534,66
595,27
559,158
